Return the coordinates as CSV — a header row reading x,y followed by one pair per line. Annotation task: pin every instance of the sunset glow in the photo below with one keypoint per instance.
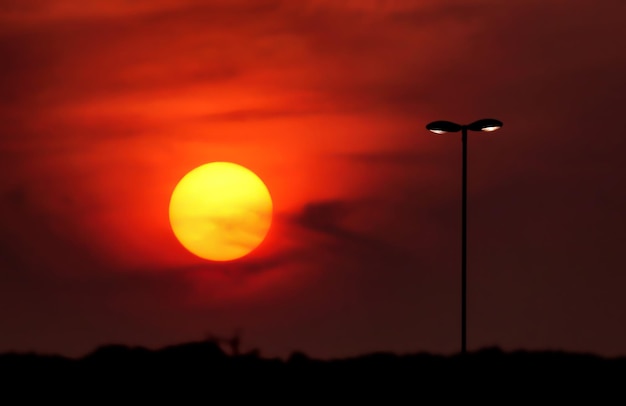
x,y
177,167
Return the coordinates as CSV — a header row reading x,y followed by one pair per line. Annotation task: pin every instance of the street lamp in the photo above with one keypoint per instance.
x,y
442,127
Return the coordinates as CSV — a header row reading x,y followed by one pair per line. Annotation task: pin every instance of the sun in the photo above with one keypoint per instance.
x,y
220,211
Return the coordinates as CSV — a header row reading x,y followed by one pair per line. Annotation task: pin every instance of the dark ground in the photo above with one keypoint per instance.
x,y
204,372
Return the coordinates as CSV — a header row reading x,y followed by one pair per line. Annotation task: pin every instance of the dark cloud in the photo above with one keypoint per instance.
x,y
258,114
332,219
323,217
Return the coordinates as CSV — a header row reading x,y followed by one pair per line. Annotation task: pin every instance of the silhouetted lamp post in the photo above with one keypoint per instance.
x,y
442,127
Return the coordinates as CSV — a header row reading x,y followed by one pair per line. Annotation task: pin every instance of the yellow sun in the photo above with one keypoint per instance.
x,y
220,211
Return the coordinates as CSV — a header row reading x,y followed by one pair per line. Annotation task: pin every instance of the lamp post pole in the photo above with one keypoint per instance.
x,y
442,127
464,243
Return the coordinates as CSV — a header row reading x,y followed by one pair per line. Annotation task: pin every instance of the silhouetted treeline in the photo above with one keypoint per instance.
x,y
205,368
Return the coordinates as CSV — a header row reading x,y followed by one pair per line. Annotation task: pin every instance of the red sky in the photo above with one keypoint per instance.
x,y
106,104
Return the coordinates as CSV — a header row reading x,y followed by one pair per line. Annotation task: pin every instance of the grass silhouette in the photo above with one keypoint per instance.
x,y
204,369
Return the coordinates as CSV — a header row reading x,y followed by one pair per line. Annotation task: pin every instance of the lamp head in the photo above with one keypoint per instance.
x,y
442,127
486,124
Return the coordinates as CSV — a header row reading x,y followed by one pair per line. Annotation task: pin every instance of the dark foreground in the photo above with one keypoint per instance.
x,y
204,372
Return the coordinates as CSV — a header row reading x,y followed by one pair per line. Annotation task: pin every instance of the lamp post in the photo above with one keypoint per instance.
x,y
442,127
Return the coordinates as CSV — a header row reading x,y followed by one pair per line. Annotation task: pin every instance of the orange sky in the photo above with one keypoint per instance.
x,y
107,104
